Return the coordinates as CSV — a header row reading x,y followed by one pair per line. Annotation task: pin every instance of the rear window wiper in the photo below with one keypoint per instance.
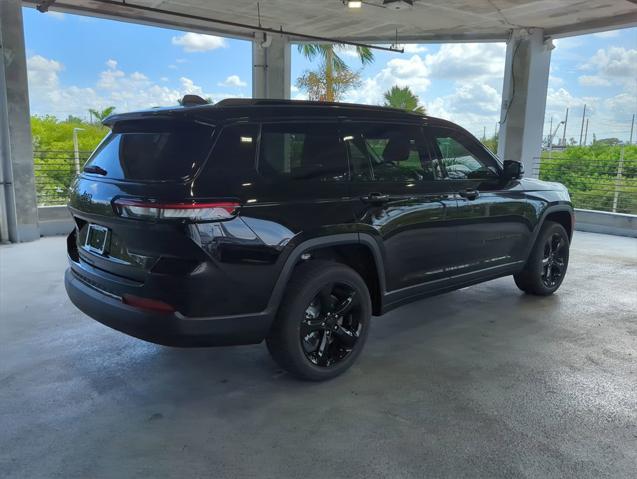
x,y
95,169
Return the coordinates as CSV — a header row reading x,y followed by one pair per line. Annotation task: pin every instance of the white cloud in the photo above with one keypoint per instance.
x,y
414,48
43,71
567,43
476,71
233,81
622,104
197,42
614,63
592,80
348,51
608,34
411,72
555,81
476,98
473,105
458,61
561,99
136,76
108,78
188,86
113,87
56,15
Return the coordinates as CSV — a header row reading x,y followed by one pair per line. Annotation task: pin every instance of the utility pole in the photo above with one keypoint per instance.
x,y
550,145
581,131
552,135
586,132
484,133
632,127
618,179
564,132
77,150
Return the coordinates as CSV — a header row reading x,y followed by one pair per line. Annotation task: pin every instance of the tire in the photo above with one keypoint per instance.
x,y
546,267
306,340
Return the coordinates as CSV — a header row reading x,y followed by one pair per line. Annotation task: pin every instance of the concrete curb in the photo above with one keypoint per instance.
x,y
618,224
54,220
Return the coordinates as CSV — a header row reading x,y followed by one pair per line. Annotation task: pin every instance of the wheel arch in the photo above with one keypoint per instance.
x,y
356,250
561,213
563,216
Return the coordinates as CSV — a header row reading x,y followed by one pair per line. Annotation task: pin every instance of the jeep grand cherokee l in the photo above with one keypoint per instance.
x,y
295,222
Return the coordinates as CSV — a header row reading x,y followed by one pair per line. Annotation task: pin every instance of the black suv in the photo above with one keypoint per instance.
x,y
295,222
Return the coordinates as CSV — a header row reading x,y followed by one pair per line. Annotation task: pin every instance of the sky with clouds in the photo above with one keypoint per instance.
x,y
76,63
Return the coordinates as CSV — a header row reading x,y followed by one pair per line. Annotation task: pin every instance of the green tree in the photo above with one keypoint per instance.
x,y
608,141
591,175
404,99
316,83
333,76
492,143
73,119
53,154
100,115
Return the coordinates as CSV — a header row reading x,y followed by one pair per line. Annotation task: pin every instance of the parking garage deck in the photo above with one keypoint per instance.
x,y
481,382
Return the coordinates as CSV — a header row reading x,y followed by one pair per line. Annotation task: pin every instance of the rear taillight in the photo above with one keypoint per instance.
x,y
191,211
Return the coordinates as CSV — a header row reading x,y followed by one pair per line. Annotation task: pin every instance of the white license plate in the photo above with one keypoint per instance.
x,y
96,238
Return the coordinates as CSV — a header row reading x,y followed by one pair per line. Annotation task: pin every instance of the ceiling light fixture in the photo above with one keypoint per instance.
x,y
354,4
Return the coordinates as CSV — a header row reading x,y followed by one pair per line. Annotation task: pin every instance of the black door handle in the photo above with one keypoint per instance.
x,y
376,198
469,193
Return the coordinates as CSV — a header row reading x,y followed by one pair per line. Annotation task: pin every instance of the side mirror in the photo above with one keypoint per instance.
x,y
513,170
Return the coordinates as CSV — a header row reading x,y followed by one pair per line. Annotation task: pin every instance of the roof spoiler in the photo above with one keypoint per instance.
x,y
193,100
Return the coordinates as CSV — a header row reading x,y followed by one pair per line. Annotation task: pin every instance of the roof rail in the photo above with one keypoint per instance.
x,y
228,102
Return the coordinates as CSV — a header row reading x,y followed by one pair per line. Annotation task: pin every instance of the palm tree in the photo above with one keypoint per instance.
x,y
404,99
100,115
334,67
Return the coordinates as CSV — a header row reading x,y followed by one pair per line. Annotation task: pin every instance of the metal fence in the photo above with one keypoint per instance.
x,y
54,172
594,184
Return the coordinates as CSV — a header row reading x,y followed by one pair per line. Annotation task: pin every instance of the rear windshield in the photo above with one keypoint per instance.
x,y
153,151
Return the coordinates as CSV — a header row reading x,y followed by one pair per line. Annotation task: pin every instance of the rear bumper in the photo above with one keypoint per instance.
x,y
165,328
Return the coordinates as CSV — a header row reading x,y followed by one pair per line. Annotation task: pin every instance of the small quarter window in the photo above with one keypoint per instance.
x,y
235,150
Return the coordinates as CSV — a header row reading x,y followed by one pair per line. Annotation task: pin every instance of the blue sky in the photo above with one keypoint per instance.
x,y
76,63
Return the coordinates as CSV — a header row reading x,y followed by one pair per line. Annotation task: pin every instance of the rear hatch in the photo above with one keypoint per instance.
x,y
133,204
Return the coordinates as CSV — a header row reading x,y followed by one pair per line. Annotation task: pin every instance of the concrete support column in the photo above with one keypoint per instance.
x,y
270,66
18,204
526,77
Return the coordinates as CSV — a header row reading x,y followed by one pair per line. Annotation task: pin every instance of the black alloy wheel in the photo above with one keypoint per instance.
x,y
323,320
554,260
546,266
331,326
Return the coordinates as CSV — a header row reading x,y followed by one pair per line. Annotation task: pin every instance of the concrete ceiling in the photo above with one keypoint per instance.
x,y
426,21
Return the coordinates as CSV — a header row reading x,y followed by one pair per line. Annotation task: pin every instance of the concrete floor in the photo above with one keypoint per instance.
x,y
482,382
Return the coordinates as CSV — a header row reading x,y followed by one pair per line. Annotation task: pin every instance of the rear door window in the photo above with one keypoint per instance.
x,y
389,153
153,151
302,151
